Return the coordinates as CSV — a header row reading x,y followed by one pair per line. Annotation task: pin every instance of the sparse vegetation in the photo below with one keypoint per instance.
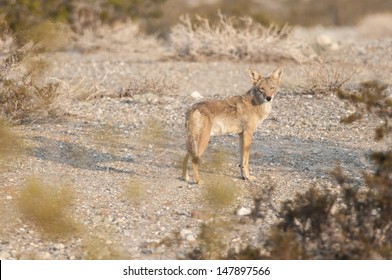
x,y
80,15
25,95
135,192
370,98
99,248
219,192
326,75
47,207
103,142
155,134
236,38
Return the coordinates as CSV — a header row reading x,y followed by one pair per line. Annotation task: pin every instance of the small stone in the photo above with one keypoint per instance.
x,y
324,40
146,251
58,246
243,211
187,235
8,197
196,95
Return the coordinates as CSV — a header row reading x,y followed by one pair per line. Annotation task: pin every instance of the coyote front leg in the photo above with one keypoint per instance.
x,y
245,143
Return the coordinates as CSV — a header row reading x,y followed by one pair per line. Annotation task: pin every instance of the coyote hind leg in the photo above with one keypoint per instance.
x,y
185,175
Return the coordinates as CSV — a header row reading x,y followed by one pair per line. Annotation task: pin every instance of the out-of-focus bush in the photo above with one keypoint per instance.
x,y
21,14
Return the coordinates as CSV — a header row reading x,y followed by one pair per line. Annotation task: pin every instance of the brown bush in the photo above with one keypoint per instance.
x,y
25,95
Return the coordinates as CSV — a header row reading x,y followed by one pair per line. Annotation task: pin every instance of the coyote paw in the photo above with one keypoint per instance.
x,y
249,178
185,178
200,182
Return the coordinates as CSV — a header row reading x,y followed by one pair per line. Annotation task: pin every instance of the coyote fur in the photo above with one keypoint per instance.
x,y
238,114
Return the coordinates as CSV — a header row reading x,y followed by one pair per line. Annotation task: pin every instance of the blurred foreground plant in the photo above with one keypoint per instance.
x,y
48,207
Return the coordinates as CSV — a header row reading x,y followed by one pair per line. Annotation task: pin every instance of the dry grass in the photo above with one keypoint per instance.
x,y
236,39
47,206
82,88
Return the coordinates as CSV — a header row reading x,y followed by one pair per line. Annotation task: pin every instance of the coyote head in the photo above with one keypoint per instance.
x,y
264,89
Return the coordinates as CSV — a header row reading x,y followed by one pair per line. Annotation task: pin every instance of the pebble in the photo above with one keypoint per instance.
x,y
196,95
187,235
243,211
58,246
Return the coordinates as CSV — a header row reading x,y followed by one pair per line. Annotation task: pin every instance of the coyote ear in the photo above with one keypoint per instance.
x,y
254,76
277,74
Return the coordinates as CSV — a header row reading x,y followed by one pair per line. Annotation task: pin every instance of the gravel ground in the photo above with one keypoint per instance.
x,y
102,143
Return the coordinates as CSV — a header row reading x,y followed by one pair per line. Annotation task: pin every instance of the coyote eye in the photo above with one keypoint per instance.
x,y
273,88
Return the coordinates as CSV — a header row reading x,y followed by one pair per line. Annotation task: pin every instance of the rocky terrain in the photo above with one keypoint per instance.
x,y
118,142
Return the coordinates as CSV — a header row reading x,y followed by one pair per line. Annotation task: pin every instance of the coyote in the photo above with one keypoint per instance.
x,y
238,114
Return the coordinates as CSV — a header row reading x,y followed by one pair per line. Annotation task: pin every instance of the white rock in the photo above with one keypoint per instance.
x,y
58,246
324,40
196,95
335,47
187,235
8,197
243,211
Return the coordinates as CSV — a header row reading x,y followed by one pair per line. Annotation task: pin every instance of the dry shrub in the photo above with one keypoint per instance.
x,y
324,75
150,90
219,192
211,241
376,25
134,191
354,225
125,36
25,95
371,97
82,88
48,207
237,39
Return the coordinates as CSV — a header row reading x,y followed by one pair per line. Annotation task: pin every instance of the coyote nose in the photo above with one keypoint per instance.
x,y
268,98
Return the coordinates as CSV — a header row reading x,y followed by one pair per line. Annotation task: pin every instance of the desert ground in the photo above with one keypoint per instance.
x,y
118,139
